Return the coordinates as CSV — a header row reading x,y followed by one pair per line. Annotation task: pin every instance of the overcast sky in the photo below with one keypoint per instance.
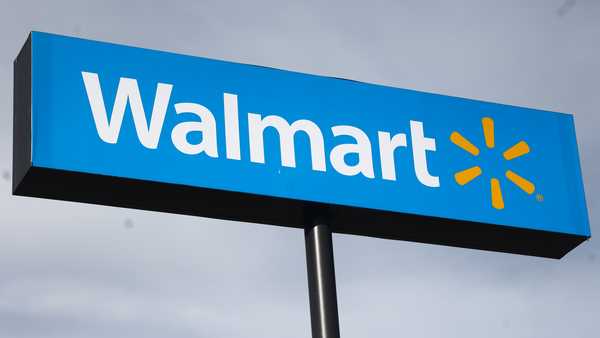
x,y
75,270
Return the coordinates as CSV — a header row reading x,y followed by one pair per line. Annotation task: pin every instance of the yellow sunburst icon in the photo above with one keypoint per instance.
x,y
465,176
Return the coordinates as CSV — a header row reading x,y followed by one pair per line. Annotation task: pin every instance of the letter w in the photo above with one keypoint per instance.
x,y
127,91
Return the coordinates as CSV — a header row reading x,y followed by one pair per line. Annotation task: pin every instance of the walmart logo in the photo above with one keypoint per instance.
x,y
322,159
465,176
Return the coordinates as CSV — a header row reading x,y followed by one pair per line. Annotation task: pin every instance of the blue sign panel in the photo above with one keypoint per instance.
x,y
232,134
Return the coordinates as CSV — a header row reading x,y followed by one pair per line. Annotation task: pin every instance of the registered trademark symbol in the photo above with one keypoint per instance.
x,y
539,197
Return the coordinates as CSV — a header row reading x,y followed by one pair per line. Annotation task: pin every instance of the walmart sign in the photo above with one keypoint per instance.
x,y
123,126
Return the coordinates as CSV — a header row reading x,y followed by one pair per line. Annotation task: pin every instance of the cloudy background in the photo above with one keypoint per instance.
x,y
75,270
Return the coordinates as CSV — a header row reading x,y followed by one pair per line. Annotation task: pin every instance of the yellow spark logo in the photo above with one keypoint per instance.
x,y
465,176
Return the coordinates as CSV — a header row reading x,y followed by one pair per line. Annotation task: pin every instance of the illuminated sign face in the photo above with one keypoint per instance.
x,y
131,127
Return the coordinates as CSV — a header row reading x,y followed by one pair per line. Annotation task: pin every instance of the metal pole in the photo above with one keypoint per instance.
x,y
321,281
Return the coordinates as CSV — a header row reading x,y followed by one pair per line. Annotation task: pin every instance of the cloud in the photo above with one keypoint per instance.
x,y
72,270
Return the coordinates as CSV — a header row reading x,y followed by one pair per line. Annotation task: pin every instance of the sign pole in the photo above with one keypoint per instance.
x,y
321,281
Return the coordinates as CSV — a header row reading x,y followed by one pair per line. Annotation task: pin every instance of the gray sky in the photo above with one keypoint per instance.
x,y
75,270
